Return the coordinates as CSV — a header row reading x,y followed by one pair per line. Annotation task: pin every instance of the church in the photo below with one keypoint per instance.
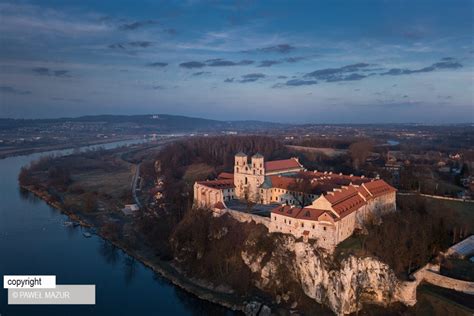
x,y
323,206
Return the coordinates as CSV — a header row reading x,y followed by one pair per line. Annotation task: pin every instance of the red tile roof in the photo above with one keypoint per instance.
x,y
282,182
287,210
219,205
280,165
307,213
378,187
363,191
345,201
225,175
310,214
218,184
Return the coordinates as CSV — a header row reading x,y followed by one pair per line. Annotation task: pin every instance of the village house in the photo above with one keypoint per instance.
x,y
323,206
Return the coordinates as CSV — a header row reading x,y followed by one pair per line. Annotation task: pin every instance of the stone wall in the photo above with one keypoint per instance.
x,y
429,273
245,217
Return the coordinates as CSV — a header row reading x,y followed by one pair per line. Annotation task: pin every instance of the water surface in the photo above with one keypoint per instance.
x,y
34,241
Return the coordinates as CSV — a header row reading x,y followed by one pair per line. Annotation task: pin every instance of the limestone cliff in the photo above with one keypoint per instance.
x,y
342,286
291,273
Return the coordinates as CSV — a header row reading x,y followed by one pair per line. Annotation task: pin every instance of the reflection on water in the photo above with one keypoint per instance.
x,y
35,240
27,196
109,252
130,268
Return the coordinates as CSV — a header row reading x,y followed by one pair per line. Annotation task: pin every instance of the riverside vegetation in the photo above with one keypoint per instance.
x,y
215,251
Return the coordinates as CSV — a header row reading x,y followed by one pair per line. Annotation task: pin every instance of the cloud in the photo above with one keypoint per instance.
x,y
192,64
67,99
338,74
229,80
43,71
251,77
157,64
447,65
295,83
281,48
37,20
222,62
217,62
136,25
295,59
117,45
268,63
60,73
439,65
200,73
12,90
170,31
282,77
299,82
134,44
158,87
351,77
142,44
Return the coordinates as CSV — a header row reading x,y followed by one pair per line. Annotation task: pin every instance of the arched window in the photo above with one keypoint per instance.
x,y
237,169
246,181
253,171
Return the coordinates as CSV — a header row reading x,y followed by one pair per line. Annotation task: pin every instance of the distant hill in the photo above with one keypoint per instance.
x,y
152,122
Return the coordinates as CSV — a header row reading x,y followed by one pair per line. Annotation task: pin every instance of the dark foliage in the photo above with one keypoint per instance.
x,y
210,248
408,239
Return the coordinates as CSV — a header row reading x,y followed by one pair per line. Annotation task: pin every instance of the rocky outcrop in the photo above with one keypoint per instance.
x,y
341,286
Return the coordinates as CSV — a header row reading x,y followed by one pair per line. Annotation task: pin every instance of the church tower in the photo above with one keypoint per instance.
x,y
248,176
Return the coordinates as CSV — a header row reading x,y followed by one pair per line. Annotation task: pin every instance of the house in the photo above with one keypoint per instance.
x,y
130,209
323,206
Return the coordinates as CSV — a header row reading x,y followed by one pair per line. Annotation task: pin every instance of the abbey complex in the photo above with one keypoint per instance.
x,y
322,206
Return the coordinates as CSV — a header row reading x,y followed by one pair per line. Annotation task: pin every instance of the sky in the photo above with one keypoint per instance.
x,y
352,61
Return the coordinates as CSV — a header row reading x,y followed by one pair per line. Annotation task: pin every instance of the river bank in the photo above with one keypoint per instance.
x,y
13,152
199,288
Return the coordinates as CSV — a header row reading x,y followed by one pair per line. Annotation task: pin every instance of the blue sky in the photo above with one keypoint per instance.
x,y
288,61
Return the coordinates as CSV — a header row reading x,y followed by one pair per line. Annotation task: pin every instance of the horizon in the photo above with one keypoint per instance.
x,y
372,62
241,120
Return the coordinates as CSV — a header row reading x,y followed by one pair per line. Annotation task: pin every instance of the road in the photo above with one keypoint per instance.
x,y
134,186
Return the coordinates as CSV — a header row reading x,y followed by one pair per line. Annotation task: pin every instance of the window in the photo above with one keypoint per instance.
x,y
246,181
302,224
254,171
237,169
313,226
324,227
260,165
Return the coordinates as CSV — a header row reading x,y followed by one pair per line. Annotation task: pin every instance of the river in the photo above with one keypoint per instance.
x,y
34,241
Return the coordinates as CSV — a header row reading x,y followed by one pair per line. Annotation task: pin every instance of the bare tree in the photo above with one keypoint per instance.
x,y
359,152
